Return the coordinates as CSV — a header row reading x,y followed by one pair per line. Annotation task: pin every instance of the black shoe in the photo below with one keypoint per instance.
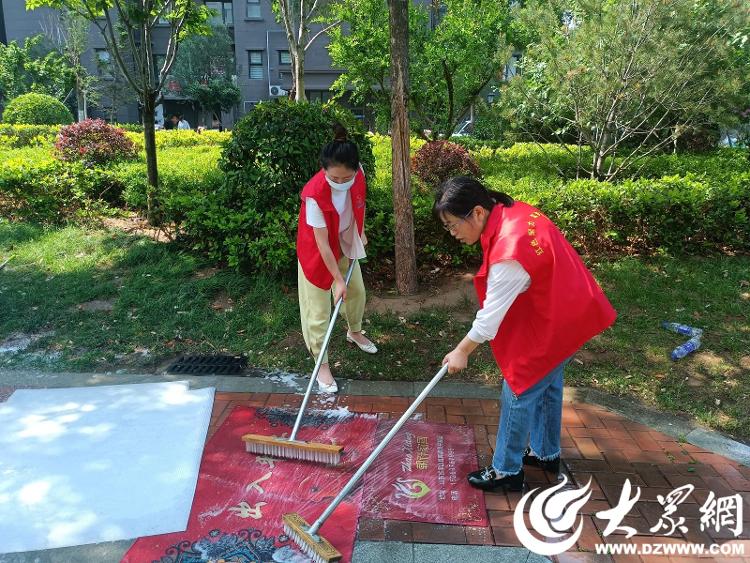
x,y
550,465
487,480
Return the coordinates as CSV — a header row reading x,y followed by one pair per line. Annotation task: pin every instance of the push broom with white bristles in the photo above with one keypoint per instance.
x,y
298,449
307,537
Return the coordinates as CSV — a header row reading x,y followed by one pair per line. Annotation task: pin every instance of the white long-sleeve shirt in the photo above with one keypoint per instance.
x,y
505,281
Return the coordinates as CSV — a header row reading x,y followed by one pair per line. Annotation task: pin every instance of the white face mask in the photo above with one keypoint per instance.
x,y
341,187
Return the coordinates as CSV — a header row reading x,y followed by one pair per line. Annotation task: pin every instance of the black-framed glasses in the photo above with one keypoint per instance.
x,y
452,227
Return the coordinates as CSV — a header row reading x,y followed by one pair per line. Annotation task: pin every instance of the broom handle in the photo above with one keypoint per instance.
x,y
323,349
366,465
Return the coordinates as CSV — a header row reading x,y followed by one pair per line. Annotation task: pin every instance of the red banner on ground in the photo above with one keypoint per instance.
x,y
421,476
241,497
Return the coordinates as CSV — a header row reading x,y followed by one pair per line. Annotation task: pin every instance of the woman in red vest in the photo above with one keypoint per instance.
x,y
330,233
539,304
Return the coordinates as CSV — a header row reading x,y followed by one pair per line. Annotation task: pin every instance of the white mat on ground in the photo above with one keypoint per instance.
x,y
91,464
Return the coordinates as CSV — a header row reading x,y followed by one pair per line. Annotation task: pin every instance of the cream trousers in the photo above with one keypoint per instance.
x,y
315,307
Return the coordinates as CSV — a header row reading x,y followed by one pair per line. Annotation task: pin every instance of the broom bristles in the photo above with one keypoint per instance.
x,y
281,447
315,547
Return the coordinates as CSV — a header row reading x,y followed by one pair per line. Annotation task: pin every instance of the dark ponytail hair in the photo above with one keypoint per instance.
x,y
341,151
460,194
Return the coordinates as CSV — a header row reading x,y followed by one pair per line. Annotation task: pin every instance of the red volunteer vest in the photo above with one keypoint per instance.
x,y
307,249
563,307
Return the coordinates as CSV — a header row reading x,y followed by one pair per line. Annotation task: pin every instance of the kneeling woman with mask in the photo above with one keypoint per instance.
x,y
330,233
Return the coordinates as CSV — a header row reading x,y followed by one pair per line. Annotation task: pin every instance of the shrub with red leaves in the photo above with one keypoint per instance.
x,y
94,141
437,161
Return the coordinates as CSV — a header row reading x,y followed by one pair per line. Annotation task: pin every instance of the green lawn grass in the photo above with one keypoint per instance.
x,y
163,304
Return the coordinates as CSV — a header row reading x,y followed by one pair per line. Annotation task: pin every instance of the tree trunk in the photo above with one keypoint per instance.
x,y
406,264
299,76
80,100
596,165
149,134
600,156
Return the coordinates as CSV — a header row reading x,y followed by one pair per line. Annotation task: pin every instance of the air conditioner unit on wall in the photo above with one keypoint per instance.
x,y
275,91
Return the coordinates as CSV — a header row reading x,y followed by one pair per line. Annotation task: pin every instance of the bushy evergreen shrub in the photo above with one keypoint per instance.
x,y
37,109
251,219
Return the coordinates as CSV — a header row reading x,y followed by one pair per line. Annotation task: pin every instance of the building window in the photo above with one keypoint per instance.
x,y
253,9
103,62
285,58
223,12
511,69
255,64
321,96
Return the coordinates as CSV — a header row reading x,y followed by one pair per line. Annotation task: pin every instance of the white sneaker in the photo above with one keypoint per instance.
x,y
323,388
370,348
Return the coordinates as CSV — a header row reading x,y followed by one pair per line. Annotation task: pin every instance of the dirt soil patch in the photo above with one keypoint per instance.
x,y
205,273
222,302
438,288
139,226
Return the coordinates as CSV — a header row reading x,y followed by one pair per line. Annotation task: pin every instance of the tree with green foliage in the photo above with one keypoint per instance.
x,y
32,67
626,79
456,48
204,70
69,32
296,18
131,24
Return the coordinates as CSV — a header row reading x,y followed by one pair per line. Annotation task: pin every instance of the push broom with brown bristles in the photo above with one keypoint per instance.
x,y
298,449
307,537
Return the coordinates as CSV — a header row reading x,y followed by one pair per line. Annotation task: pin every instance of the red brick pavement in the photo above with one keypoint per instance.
x,y
597,445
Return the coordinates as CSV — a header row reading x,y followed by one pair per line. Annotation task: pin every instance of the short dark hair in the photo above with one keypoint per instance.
x,y
460,194
341,151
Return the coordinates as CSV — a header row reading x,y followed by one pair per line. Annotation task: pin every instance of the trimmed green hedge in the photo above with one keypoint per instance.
x,y
16,136
36,187
174,138
681,203
673,213
186,177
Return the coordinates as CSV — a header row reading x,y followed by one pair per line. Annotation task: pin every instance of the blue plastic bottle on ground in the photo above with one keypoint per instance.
x,y
682,329
684,349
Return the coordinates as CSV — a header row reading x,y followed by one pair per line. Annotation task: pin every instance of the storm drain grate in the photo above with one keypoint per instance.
x,y
209,365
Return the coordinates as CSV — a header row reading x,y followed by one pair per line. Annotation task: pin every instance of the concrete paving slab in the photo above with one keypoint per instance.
x,y
381,552
104,552
437,553
397,552
718,443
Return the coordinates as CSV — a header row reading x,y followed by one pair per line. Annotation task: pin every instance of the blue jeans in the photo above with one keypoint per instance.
x,y
534,417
